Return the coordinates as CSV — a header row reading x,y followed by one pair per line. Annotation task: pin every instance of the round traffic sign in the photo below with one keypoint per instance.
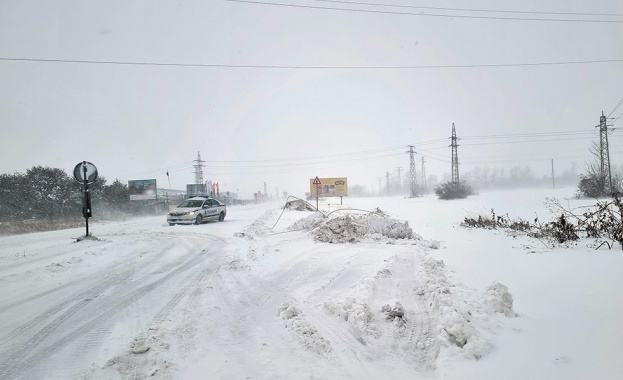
x,y
85,171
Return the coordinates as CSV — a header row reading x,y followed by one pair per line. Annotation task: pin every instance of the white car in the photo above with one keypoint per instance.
x,y
197,210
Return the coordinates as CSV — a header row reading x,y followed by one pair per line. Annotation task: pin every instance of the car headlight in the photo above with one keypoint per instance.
x,y
191,213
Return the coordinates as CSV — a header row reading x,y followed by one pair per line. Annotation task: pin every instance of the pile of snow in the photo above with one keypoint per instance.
x,y
395,314
308,223
341,229
260,227
356,313
499,299
382,226
351,228
304,331
453,316
299,205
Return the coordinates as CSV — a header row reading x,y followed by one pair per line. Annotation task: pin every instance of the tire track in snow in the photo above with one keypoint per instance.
x,y
111,277
29,353
416,339
136,364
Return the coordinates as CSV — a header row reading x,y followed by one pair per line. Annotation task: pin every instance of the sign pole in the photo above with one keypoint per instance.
x,y
85,211
317,191
317,183
85,173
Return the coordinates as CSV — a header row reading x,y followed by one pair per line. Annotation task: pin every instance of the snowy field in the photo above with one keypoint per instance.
x,y
263,295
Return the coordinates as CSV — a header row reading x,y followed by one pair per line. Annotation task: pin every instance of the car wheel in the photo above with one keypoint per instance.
x,y
221,217
171,224
199,219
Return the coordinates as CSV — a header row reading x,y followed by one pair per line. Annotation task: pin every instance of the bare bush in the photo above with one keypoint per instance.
x,y
602,222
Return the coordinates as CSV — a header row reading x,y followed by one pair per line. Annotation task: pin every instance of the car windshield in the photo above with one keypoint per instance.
x,y
191,203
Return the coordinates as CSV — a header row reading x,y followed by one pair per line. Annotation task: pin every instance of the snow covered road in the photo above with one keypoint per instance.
x,y
263,295
64,303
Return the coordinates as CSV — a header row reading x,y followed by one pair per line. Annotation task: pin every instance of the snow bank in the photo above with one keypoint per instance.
x,y
352,228
260,227
499,299
356,313
304,331
454,320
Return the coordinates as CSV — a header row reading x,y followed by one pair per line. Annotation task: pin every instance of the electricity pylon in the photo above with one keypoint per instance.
x,y
423,175
604,154
198,169
455,157
412,173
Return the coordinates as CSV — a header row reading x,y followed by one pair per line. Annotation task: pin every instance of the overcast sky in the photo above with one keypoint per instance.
x,y
280,94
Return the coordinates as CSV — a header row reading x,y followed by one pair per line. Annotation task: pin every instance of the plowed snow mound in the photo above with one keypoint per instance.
x,y
499,299
299,205
356,313
260,226
454,327
308,223
351,228
304,331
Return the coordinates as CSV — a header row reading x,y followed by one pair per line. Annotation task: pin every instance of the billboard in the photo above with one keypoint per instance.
x,y
329,187
142,189
193,189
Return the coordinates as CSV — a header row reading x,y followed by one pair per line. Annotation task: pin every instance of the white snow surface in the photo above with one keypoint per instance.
x,y
285,294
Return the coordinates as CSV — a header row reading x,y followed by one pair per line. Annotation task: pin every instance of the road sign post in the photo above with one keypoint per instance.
x,y
318,189
86,173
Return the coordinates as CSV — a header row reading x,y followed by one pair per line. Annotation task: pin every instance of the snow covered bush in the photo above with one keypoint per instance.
x,y
451,190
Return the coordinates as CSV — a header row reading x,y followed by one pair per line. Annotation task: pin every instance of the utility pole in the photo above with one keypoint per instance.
x,y
604,153
387,174
553,180
412,173
455,157
380,189
198,170
398,169
423,174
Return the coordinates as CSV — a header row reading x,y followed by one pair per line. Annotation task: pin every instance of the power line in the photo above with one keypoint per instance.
x,y
523,135
300,6
308,158
526,141
475,10
334,161
616,107
306,67
526,135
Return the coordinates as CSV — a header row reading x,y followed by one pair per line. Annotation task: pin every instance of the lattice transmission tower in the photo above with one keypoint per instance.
x,y
423,175
455,157
198,169
605,173
412,183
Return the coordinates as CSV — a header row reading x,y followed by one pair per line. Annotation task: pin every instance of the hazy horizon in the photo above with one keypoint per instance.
x,y
281,94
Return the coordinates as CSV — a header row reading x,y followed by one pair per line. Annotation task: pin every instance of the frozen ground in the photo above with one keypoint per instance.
x,y
264,295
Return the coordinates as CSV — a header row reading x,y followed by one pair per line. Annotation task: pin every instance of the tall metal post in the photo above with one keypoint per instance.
x,y
455,157
412,173
423,175
86,209
604,172
553,178
198,169
387,174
